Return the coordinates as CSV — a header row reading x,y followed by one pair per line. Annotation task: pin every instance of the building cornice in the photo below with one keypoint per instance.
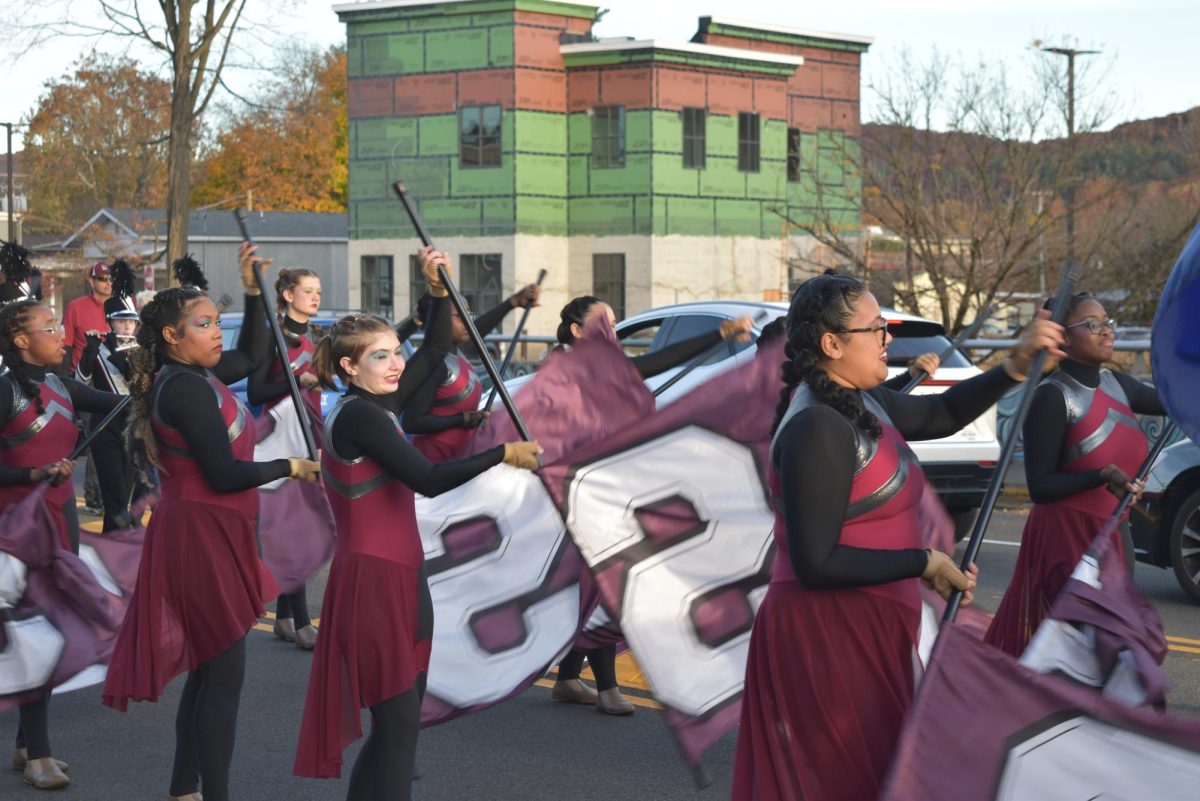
x,y
726,26
370,9
624,51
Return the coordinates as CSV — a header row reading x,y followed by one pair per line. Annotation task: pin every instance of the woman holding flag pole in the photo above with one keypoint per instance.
x,y
295,523
831,666
1082,444
200,585
37,435
373,648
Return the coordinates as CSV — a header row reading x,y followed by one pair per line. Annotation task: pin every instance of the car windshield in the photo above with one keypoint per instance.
x,y
906,348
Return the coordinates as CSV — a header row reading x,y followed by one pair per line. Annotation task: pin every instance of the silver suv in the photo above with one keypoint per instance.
x,y
1166,523
959,466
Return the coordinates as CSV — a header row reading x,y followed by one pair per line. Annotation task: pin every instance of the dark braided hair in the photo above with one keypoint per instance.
x,y
1073,302
13,319
820,306
573,314
166,310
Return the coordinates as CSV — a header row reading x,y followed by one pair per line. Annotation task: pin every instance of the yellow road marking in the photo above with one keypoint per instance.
x,y
1183,640
1183,649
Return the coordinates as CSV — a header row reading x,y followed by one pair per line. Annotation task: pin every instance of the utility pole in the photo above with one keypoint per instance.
x,y
12,219
1070,53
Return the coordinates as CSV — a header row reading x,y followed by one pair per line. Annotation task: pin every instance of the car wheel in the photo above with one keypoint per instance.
x,y
1185,545
964,521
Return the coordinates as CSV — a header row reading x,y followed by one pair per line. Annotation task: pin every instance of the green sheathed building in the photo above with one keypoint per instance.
x,y
645,172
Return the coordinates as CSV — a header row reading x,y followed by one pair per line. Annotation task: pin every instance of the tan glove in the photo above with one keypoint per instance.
x,y
739,329
430,261
943,577
523,455
304,469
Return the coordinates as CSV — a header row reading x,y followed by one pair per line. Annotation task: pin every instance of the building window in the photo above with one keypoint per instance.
x,y
608,136
748,142
693,138
416,283
479,136
793,154
608,280
376,274
479,281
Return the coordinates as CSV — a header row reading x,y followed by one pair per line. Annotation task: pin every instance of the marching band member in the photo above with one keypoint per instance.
x,y
37,434
1082,444
377,616
831,666
200,586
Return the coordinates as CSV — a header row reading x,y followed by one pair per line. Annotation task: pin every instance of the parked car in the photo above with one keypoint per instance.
x,y
231,326
1166,522
959,466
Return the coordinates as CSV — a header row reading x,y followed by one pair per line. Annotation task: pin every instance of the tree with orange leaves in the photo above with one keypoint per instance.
x,y
289,147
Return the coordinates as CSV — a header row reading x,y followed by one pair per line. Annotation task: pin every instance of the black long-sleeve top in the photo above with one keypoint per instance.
x,y
651,364
260,388
187,404
1046,428
417,414
367,428
83,398
815,459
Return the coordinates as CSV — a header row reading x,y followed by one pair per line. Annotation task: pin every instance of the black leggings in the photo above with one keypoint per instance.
x,y
114,473
295,606
33,727
603,662
206,724
384,768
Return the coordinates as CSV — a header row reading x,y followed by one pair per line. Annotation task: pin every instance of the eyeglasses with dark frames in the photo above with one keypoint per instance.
x,y
881,329
1096,326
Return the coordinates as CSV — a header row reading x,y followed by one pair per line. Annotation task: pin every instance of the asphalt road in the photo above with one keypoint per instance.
x,y
525,750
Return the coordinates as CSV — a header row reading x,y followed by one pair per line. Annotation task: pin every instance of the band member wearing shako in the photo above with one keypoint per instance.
x,y
37,434
297,298
21,280
830,670
368,654
1082,443
200,585
105,365
568,688
444,412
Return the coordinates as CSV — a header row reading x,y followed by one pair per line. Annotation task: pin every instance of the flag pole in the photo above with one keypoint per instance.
x,y
461,307
96,429
1057,314
697,361
280,345
512,346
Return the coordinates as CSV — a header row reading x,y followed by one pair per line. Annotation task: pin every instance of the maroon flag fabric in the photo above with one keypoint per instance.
x,y
1102,631
984,727
63,611
510,590
673,517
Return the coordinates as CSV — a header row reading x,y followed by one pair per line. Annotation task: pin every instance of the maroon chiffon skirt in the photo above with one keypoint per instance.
x,y
200,587
367,653
828,681
1054,540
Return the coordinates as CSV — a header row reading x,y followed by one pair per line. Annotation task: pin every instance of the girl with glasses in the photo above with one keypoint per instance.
x,y
37,434
1082,444
830,672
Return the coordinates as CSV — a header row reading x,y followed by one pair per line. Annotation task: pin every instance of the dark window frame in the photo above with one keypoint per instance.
x,y
794,168
608,137
373,282
749,141
695,140
481,149
604,285
480,299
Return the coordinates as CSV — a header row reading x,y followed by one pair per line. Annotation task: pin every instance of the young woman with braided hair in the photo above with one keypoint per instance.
x,y
831,666
377,616
297,299
37,434
200,586
1082,443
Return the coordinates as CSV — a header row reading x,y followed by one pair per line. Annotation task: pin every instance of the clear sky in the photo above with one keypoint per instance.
x,y
1154,67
